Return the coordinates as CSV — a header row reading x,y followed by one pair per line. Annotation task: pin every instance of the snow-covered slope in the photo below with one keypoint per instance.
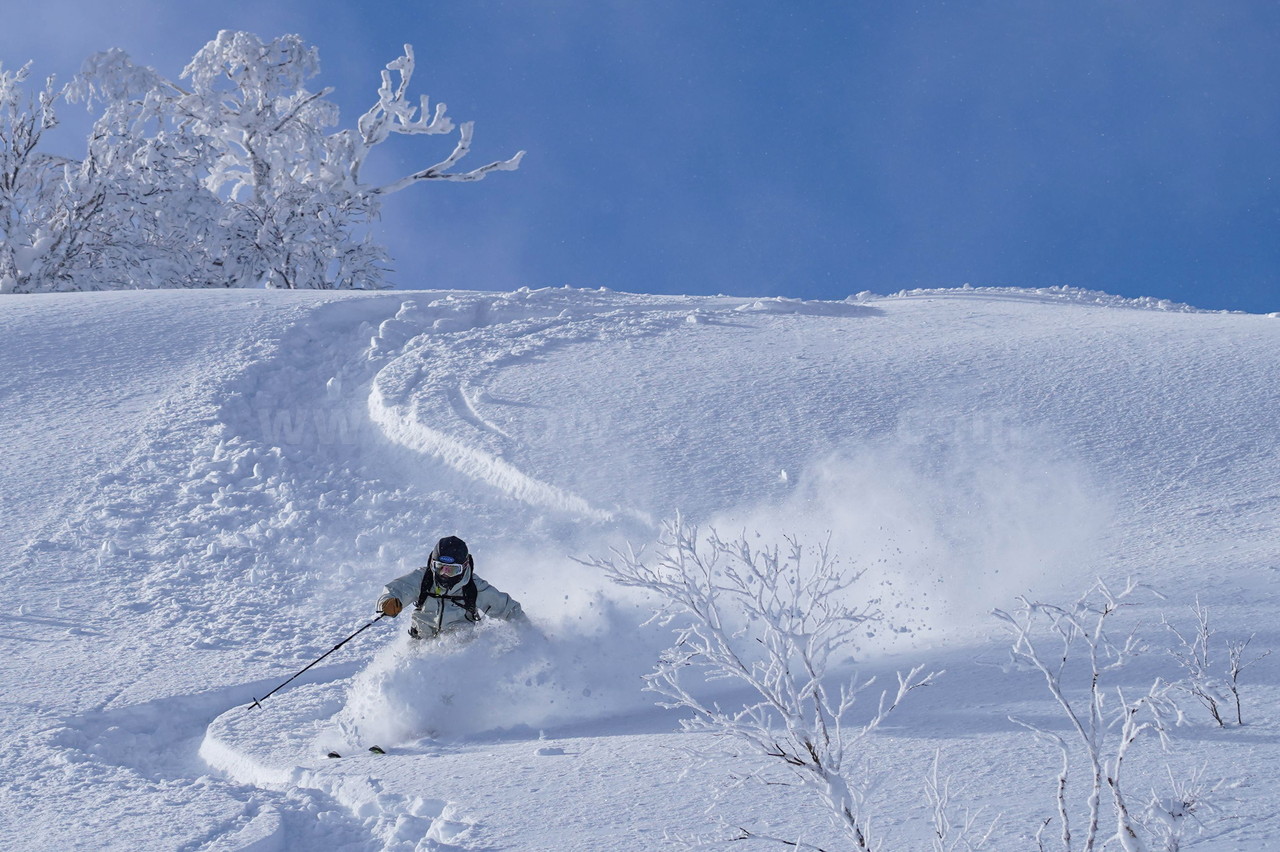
x,y
202,492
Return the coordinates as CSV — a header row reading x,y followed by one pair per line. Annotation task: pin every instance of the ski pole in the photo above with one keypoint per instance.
x,y
257,702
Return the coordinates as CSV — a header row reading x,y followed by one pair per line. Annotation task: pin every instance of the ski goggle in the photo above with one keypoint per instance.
x,y
446,567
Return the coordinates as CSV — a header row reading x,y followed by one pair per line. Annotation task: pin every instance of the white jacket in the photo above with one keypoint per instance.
x,y
439,614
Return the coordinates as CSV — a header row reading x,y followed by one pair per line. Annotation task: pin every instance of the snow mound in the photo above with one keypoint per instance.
x,y
493,677
1058,293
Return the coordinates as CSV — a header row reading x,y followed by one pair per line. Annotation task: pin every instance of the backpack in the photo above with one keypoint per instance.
x,y
466,599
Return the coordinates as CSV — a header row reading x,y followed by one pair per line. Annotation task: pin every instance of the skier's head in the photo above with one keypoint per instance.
x,y
450,561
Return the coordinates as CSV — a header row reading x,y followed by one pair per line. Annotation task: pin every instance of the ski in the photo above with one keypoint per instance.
x,y
373,749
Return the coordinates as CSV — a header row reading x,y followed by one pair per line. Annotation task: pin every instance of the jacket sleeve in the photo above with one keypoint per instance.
x,y
405,588
496,604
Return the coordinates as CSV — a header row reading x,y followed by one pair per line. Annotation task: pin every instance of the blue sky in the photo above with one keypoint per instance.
x,y
808,149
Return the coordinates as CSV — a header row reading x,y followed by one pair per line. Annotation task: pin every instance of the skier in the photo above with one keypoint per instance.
x,y
446,594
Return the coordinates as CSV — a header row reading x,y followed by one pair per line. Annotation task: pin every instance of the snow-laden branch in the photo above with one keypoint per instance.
x,y
395,113
440,171
1177,813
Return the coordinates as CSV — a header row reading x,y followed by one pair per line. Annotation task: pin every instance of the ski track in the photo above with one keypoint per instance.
x,y
466,409
421,402
326,444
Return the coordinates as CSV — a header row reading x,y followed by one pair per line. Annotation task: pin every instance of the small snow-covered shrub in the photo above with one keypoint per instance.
x,y
1175,814
1075,650
777,621
1215,685
955,829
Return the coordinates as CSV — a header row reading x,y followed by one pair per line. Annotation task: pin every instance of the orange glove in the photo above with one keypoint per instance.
x,y
392,607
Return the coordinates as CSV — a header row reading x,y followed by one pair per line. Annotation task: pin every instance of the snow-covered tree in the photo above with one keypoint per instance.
x,y
123,216
157,225
231,176
778,622
295,199
29,179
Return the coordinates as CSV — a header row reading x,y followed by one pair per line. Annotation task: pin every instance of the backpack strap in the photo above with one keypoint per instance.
x,y
424,591
470,593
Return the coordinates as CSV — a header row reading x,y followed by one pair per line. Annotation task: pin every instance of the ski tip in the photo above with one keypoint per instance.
x,y
256,704
333,754
376,750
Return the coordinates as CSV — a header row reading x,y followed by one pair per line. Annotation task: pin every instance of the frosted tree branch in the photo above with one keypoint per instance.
x,y
1236,664
395,113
